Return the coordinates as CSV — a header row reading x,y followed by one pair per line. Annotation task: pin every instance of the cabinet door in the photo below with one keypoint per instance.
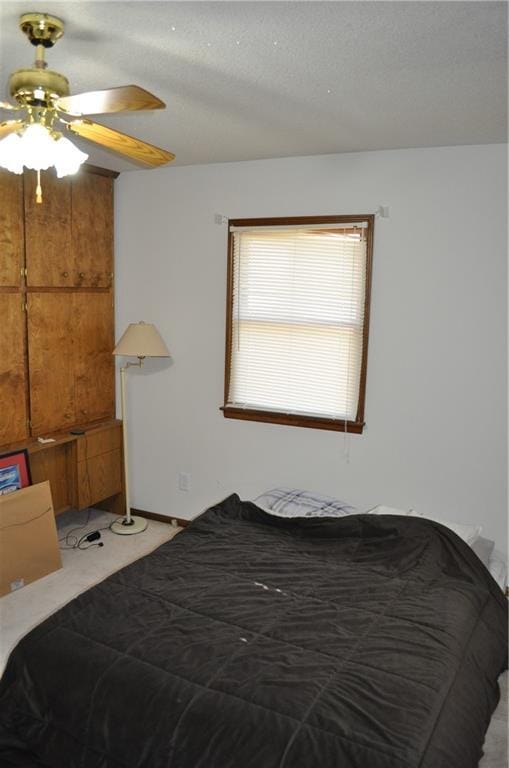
x,y
99,478
51,361
56,464
92,230
93,358
48,231
11,228
13,409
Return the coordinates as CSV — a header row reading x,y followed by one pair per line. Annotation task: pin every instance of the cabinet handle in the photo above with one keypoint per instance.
x,y
82,275
65,274
84,411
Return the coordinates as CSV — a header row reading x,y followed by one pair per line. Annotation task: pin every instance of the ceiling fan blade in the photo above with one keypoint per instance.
x,y
136,150
9,126
6,105
122,99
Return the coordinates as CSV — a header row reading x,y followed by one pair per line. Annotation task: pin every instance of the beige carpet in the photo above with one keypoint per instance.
x,y
24,609
495,744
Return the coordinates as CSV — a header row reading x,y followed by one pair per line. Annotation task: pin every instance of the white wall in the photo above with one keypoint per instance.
x,y
437,376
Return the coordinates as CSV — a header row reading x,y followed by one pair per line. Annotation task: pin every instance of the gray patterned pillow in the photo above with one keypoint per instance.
x,y
293,502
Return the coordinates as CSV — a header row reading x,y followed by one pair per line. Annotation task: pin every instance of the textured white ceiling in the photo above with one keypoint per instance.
x,y
249,80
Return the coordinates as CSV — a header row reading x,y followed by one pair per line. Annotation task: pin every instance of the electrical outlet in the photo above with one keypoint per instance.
x,y
184,481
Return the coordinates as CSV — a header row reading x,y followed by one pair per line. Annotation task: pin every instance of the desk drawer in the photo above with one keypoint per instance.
x,y
99,441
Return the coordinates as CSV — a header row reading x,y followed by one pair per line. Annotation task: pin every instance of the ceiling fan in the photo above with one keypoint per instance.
x,y
43,98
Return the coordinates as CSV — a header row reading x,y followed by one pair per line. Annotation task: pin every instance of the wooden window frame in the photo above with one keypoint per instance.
x,y
291,419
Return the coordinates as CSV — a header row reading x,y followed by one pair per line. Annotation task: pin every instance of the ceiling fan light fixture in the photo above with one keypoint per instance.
x,y
37,147
38,150
35,140
68,157
10,154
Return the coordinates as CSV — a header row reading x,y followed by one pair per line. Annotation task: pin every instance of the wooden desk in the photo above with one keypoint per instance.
x,y
83,470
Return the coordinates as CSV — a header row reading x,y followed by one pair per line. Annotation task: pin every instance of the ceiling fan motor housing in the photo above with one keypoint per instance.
x,y
39,86
28,86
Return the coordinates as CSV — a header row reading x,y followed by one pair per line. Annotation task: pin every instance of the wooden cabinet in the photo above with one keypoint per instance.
x,y
70,359
50,361
12,256
56,303
48,232
99,465
13,384
57,335
92,231
94,364
82,469
13,406
69,237
56,462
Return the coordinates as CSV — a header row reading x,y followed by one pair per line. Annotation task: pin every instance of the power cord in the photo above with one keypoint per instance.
x,y
70,540
87,540
81,542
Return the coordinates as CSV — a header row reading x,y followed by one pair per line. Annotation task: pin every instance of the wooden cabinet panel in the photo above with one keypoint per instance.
x,y
93,359
12,249
99,478
13,409
92,230
71,366
56,465
50,361
48,232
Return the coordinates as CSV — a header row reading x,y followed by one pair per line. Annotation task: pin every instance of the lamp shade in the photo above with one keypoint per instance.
x,y
141,340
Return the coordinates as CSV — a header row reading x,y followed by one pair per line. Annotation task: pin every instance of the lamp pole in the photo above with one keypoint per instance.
x,y
128,524
140,340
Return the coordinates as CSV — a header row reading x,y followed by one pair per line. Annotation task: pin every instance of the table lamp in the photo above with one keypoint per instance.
x,y
140,340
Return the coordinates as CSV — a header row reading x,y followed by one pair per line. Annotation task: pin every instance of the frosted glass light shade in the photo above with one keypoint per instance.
x,y
68,158
141,340
38,150
10,156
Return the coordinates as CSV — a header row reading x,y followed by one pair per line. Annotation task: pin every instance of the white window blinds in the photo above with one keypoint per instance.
x,y
297,317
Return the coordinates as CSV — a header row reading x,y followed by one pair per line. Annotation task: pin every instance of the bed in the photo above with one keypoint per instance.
x,y
255,641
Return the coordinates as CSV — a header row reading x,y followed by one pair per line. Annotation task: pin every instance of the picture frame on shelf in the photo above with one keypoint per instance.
x,y
14,471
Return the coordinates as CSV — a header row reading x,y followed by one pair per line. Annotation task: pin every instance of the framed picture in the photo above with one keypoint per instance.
x,y
14,471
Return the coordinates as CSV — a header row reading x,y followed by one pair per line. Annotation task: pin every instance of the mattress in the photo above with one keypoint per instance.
x,y
262,642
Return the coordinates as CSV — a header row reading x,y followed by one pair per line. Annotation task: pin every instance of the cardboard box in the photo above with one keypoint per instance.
x,y
28,537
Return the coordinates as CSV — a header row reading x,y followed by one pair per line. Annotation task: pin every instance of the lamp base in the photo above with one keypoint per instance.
x,y
121,526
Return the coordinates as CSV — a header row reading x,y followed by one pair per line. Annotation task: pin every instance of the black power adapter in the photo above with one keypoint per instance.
x,y
87,540
91,537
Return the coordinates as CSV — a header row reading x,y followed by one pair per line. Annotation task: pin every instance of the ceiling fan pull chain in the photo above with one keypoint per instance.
x,y
38,189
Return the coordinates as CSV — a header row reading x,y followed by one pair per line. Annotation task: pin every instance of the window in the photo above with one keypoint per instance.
x,y
297,320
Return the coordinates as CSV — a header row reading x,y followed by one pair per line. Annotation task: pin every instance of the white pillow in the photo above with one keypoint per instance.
x,y
383,510
469,533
